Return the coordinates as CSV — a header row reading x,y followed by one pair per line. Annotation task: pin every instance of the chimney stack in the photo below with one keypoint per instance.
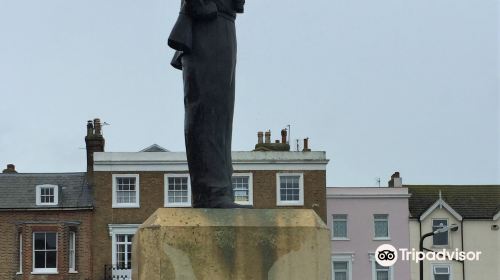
x,y
396,181
94,142
11,168
260,137
306,145
268,137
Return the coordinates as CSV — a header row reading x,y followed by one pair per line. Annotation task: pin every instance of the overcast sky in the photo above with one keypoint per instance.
x,y
381,86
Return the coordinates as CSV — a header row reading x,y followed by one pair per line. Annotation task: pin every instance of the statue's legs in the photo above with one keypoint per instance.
x,y
209,73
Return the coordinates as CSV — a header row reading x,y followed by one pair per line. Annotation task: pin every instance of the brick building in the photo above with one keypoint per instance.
x,y
130,186
45,224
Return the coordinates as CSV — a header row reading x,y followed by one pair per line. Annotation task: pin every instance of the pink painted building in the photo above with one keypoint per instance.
x,y
361,219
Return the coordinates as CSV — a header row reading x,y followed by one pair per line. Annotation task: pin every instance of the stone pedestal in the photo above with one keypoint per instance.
x,y
231,244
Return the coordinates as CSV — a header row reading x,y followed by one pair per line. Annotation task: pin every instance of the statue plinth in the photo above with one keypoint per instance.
x,y
232,244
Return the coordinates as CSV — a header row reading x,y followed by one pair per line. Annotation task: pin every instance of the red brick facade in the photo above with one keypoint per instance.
x,y
152,197
25,223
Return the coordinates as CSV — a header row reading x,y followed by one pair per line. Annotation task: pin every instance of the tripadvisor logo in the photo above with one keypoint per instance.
x,y
387,255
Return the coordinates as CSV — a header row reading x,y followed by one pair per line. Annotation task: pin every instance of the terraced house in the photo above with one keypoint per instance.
x,y
475,210
45,224
129,186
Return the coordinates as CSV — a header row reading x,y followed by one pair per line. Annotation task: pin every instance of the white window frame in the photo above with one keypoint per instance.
x,y
447,233
178,204
72,252
115,204
447,265
250,187
45,270
346,237
388,237
115,229
343,258
371,256
299,202
39,195
20,254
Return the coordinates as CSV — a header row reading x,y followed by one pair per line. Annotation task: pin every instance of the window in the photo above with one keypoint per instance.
x,y
45,252
441,272
340,270
121,248
125,190
339,227
20,254
72,251
243,188
177,190
382,272
290,189
47,195
440,239
124,251
381,224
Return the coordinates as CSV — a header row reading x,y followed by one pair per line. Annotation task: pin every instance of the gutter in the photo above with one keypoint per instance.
x,y
47,209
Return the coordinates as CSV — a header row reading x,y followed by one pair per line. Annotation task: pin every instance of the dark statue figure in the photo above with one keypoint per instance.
x,y
204,38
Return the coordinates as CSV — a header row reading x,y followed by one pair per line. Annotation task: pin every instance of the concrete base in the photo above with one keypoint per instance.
x,y
232,244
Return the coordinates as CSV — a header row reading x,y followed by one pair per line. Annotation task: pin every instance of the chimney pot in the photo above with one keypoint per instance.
x,y
268,136
306,145
97,126
283,136
260,137
90,128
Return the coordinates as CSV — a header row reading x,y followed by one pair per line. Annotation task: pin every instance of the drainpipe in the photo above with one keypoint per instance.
x,y
420,234
463,249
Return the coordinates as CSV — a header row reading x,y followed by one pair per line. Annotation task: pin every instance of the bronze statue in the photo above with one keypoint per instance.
x,y
204,38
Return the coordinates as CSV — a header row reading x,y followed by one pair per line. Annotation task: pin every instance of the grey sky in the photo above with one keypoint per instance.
x,y
379,85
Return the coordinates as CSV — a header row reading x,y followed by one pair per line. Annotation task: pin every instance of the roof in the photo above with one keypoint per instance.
x,y
470,201
18,191
154,148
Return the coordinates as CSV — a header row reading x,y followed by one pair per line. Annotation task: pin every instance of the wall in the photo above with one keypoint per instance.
x,y
454,240
152,197
26,222
360,225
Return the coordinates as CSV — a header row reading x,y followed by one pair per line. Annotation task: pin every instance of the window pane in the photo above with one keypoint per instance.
x,y
340,276
381,229
339,265
51,259
382,275
441,277
39,259
51,241
443,270
440,238
39,241
339,228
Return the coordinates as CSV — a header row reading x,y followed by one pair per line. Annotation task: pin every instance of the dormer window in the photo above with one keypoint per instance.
x,y
47,195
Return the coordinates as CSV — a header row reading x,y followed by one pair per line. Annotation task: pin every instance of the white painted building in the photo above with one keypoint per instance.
x,y
476,212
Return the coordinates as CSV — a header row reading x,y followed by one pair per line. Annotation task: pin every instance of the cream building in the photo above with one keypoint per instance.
x,y
476,212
